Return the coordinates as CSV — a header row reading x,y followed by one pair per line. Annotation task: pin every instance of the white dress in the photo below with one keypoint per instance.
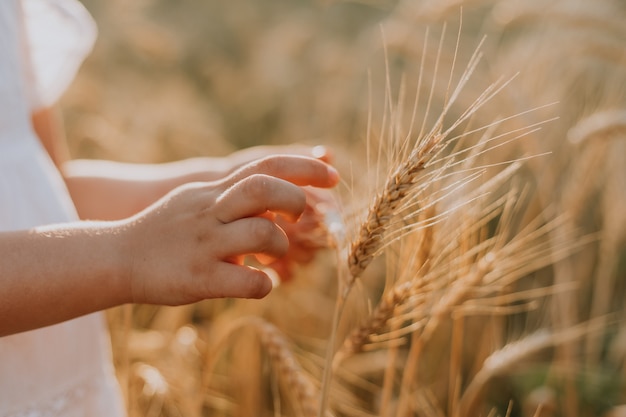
x,y
65,369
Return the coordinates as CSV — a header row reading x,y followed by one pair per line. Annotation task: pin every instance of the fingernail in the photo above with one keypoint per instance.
x,y
319,151
333,174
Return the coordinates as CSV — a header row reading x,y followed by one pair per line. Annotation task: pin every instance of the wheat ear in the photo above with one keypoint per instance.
x,y
512,354
399,188
403,179
289,369
377,320
285,363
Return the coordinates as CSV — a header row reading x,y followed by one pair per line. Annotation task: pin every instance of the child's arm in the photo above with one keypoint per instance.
x,y
107,190
186,247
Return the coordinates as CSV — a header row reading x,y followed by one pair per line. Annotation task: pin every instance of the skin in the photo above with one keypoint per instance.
x,y
165,234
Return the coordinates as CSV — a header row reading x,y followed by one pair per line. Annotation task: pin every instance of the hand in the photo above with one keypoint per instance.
x,y
308,234
190,245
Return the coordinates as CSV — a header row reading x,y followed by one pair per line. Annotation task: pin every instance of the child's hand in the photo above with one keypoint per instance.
x,y
190,245
308,235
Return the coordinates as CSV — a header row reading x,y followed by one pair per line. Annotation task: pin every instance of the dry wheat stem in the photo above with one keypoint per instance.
x,y
289,370
397,336
456,360
376,320
398,296
398,188
524,254
514,353
517,296
354,379
600,125
419,262
388,381
457,293
418,339
406,384
287,366
490,310
212,354
425,403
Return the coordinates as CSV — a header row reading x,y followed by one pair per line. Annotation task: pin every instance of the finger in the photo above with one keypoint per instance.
x,y
299,170
238,281
255,195
322,153
252,235
247,155
318,197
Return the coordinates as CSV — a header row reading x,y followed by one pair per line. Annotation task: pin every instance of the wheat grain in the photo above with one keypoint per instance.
x,y
289,370
376,320
403,179
290,373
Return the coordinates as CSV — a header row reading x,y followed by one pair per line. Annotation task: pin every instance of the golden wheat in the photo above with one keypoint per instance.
x,y
514,353
445,204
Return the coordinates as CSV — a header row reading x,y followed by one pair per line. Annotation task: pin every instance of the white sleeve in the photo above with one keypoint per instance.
x,y
60,34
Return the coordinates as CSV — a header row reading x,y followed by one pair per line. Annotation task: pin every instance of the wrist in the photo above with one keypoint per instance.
x,y
199,169
118,262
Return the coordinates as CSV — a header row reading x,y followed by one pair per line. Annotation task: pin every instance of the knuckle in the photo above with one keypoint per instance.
x,y
301,201
271,164
262,230
257,186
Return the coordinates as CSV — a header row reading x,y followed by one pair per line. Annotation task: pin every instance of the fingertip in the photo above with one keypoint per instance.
x,y
322,153
333,175
263,286
238,281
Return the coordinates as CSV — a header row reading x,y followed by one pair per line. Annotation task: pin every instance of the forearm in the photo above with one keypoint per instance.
x,y
106,190
49,275
48,125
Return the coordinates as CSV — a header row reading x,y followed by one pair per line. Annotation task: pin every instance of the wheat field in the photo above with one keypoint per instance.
x,y
476,258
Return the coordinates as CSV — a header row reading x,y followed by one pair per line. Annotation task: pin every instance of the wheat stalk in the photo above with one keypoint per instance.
x,y
600,125
288,368
402,181
514,353
419,278
305,396
376,320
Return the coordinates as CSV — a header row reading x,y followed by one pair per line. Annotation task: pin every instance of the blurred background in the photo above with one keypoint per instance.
x,y
176,79
173,79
